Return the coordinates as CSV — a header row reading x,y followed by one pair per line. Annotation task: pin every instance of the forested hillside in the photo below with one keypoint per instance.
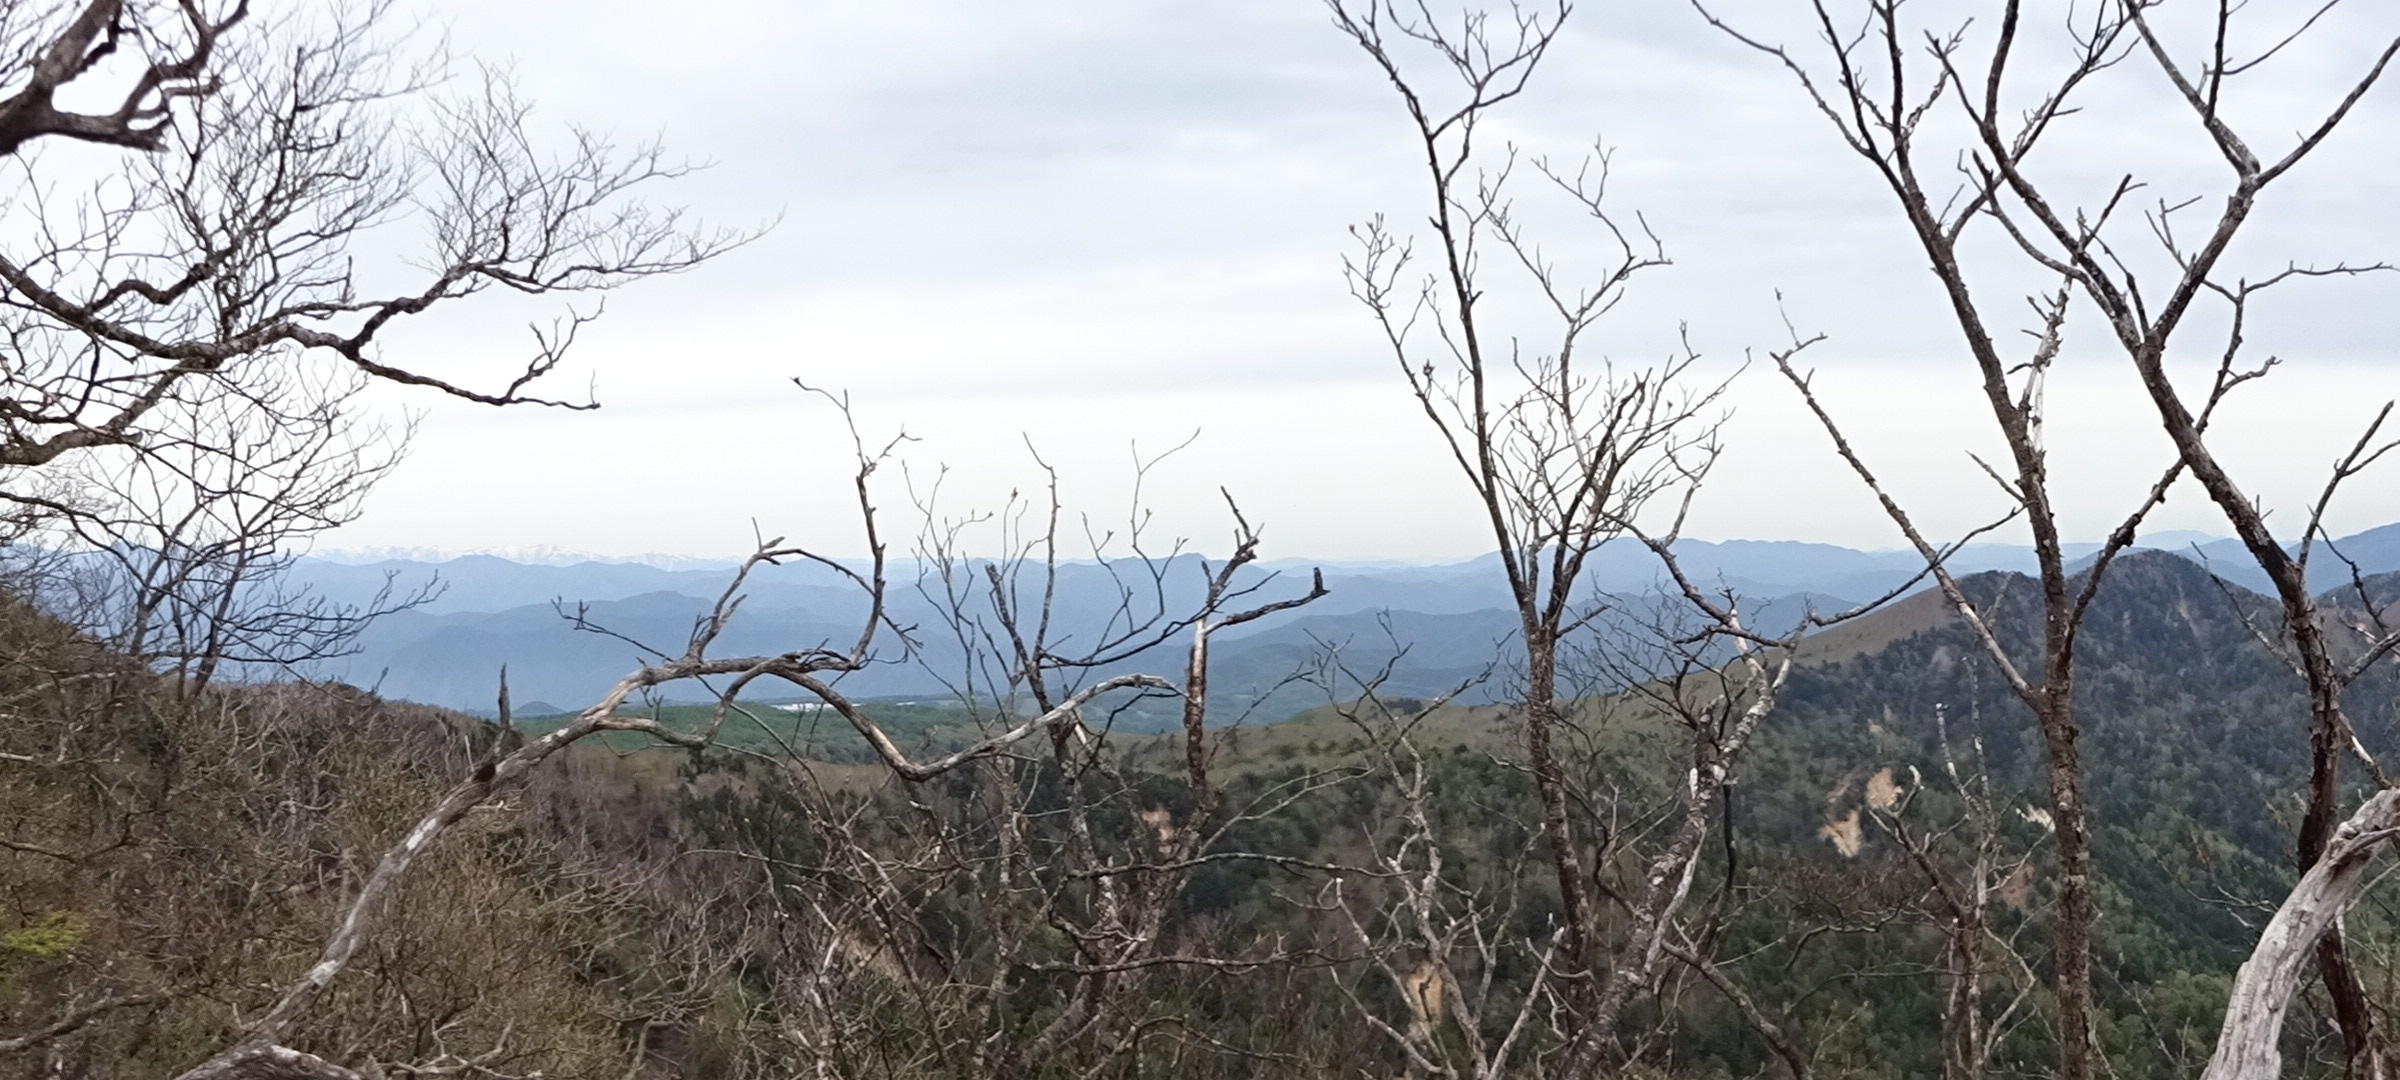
x,y
711,912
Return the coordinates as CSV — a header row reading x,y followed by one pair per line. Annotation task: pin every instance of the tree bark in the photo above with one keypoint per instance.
x,y
2262,992
1542,720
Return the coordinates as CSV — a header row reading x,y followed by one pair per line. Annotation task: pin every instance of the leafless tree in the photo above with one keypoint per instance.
x,y
198,276
177,556
274,163
1554,500
1094,845
1935,113
1093,854
1564,452
51,47
1438,941
1971,866
193,285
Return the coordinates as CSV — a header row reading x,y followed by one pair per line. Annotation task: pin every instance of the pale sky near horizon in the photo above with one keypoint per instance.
x,y
1099,225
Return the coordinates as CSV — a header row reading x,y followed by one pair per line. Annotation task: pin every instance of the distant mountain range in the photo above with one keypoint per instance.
x,y
1435,625
530,555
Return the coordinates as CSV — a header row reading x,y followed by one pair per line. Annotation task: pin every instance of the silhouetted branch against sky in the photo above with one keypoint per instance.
x,y
1081,220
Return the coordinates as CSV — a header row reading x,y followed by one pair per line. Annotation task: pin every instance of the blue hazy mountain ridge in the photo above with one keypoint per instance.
x,y
1451,618
2376,551
482,583
453,658
1774,567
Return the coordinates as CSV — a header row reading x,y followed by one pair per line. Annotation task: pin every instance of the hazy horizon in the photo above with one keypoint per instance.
x,y
552,555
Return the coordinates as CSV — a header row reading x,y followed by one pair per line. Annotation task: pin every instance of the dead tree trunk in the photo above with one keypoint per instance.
x,y
2247,1046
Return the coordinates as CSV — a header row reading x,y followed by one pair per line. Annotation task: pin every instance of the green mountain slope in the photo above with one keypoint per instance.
x,y
187,855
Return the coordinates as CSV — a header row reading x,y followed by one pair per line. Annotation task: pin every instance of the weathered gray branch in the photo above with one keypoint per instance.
x,y
2262,992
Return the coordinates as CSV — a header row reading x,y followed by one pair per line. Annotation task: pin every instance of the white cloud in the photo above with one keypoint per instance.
x,y
1101,222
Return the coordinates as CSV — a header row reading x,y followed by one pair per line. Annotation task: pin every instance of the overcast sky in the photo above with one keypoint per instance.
x,y
1112,223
